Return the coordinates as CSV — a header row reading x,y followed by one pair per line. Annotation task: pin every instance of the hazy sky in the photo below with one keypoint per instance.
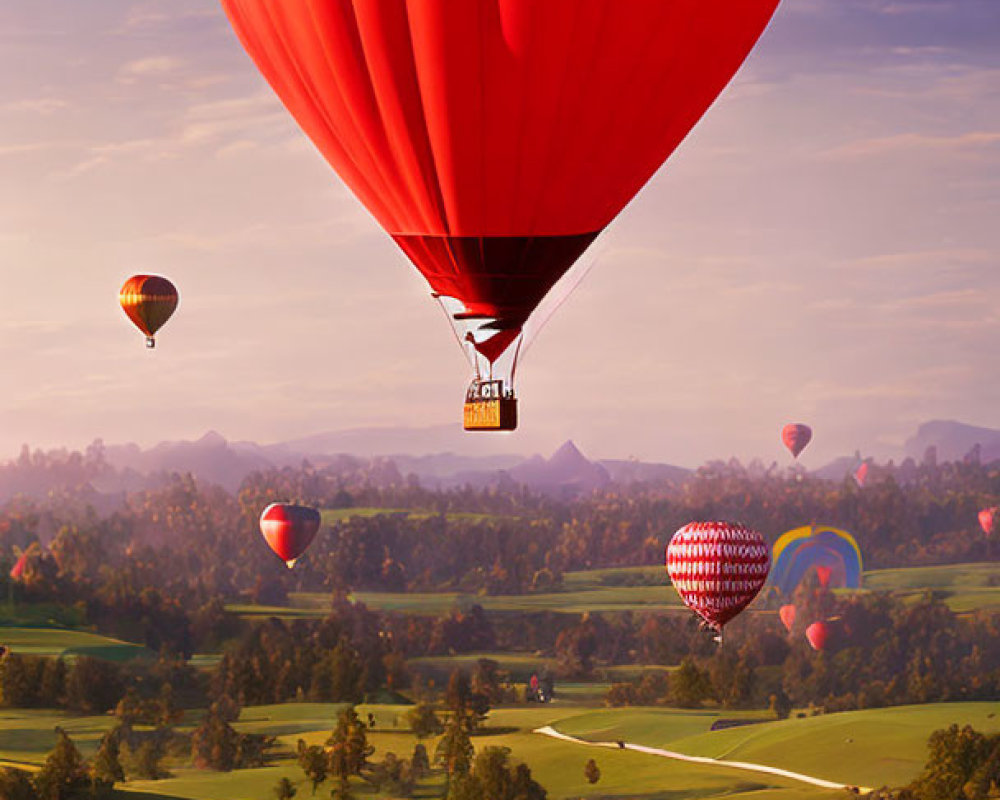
x,y
823,248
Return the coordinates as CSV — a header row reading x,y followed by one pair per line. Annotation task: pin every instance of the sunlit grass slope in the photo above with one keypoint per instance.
x,y
873,747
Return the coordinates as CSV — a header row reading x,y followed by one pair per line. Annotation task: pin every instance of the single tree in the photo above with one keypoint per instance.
x,y
591,771
423,721
314,763
63,775
420,764
349,748
454,751
106,766
16,785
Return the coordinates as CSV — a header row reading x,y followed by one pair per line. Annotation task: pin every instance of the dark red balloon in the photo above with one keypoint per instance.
x,y
289,530
818,635
796,436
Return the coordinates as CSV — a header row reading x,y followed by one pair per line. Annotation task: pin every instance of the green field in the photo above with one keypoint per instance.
x,y
963,587
69,643
948,576
331,515
631,598
874,747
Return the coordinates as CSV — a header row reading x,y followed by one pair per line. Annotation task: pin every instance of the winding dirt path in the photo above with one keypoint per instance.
x,y
548,730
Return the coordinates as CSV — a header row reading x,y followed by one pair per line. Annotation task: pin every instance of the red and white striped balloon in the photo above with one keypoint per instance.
x,y
717,568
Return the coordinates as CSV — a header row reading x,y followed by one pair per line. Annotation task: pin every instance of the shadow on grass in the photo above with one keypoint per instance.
x,y
494,730
685,794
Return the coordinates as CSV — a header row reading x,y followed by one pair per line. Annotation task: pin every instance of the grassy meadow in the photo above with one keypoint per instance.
x,y
872,747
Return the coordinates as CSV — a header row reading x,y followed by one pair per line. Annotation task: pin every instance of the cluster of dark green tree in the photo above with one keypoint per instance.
x,y
336,659
962,764
65,775
489,774
884,651
148,565
347,755
215,744
88,685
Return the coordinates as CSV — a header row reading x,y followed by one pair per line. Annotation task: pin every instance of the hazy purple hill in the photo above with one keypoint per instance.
x,y
953,441
567,472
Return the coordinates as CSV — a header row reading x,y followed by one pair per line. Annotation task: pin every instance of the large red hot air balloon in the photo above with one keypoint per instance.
x,y
796,436
149,301
289,529
495,139
818,634
787,615
987,519
717,568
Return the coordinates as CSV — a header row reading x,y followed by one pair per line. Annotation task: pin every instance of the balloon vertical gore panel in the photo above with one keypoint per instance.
x,y
495,139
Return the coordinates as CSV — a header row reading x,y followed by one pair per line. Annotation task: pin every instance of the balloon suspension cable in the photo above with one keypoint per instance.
x,y
150,342
517,355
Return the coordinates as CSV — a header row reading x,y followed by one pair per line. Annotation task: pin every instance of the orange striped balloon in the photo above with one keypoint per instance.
x,y
149,301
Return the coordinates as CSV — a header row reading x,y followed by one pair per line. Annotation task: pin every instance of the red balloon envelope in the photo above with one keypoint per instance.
x,y
495,139
823,573
987,519
787,615
289,530
818,634
861,475
717,568
796,436
17,571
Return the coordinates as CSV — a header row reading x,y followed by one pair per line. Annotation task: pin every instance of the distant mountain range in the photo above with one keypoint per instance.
x,y
212,458
440,457
953,441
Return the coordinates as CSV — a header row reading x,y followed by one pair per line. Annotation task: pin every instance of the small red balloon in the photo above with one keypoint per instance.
x,y
823,573
796,436
861,475
289,530
787,615
818,634
17,571
987,519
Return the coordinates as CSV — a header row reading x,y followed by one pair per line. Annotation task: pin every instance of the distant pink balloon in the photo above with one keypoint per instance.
x,y
787,615
796,436
823,573
861,475
17,572
987,519
818,634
